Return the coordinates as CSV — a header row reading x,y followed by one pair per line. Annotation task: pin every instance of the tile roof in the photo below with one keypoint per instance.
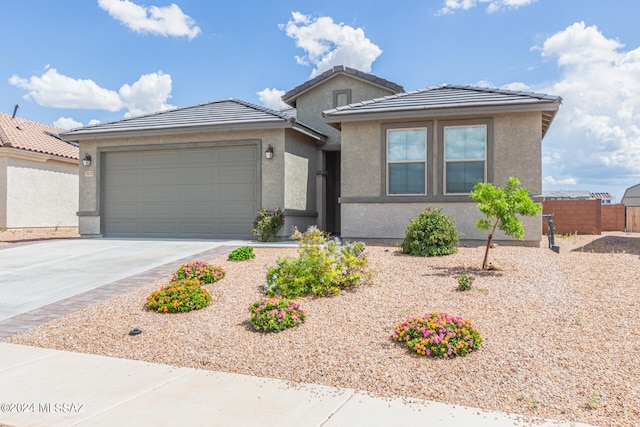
x,y
447,97
225,114
290,97
23,134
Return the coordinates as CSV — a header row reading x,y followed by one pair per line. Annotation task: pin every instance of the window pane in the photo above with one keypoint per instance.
x,y
465,142
406,144
462,176
406,178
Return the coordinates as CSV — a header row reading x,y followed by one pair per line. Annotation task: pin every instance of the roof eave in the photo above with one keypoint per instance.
x,y
91,134
410,112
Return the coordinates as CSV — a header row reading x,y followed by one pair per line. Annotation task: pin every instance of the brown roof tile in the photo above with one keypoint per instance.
x,y
28,135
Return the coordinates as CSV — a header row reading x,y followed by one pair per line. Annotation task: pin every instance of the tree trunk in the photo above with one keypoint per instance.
x,y
486,252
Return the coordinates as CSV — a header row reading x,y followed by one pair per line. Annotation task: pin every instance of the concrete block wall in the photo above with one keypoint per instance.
x,y
571,216
613,217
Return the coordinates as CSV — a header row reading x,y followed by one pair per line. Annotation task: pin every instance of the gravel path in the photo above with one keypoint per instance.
x,y
562,337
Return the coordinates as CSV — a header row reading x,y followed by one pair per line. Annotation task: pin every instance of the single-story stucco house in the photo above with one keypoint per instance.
x,y
38,175
355,155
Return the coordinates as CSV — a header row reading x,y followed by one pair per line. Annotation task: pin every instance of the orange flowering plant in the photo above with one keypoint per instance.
x,y
179,296
439,335
276,314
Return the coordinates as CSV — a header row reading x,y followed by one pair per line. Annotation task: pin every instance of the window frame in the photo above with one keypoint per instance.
x,y
442,161
428,155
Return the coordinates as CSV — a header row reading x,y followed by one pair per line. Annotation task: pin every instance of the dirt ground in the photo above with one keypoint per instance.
x,y
31,234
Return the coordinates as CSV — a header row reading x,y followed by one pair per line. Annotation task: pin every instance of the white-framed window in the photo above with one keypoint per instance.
x,y
465,158
406,161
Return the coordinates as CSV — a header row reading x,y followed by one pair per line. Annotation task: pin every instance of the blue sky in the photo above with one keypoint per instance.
x,y
74,62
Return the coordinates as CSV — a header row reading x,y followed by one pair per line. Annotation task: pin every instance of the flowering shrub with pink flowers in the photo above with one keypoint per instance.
x,y
199,270
276,314
439,335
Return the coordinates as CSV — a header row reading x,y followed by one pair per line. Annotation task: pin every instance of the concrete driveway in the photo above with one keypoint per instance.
x,y
37,274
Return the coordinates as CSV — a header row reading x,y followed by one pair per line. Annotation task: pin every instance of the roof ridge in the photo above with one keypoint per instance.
x,y
371,78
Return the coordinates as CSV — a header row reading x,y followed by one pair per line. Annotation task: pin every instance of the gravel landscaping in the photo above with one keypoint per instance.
x,y
561,331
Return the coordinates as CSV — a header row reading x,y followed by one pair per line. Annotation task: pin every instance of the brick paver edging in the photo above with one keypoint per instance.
x,y
25,321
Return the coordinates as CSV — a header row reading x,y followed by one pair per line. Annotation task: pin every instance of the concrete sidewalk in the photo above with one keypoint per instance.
x,y
44,387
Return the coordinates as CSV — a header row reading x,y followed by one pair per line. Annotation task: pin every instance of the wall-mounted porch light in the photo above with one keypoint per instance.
x,y
87,160
269,152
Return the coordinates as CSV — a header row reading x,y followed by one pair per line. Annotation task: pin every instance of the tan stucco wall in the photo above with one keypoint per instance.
x,y
311,104
4,161
390,220
41,192
516,152
273,193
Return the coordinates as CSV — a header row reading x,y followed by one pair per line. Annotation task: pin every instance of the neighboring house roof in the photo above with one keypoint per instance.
x,y
603,196
631,196
440,100
291,96
230,114
23,134
567,194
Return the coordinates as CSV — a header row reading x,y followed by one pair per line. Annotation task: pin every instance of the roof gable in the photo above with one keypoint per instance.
x,y
223,114
23,134
291,96
444,99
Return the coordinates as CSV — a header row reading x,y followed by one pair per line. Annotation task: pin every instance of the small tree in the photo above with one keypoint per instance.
x,y
500,205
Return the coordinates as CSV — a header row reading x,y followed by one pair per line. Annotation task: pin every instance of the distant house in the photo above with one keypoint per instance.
x,y
605,198
356,155
38,175
632,196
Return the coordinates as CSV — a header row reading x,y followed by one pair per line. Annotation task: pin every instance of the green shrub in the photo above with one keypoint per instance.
x,y
242,253
179,296
439,335
199,270
276,314
324,267
431,233
465,281
267,224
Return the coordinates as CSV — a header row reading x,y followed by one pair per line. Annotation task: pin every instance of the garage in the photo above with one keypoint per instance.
x,y
193,193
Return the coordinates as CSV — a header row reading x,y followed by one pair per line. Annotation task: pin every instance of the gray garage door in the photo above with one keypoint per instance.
x,y
183,193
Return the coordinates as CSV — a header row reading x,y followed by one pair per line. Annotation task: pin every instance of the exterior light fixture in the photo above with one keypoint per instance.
x,y
87,160
269,152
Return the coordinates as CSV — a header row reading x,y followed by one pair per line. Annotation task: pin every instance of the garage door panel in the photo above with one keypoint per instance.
x,y
236,192
183,193
158,209
244,175
157,177
232,209
198,157
196,176
159,158
230,155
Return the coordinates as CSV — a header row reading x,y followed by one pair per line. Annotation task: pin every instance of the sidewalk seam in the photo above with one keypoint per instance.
x,y
326,420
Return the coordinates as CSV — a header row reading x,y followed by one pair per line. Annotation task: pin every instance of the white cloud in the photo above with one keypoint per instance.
x,y
327,44
517,87
52,89
596,135
162,20
93,122
450,6
549,180
147,95
67,123
272,98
